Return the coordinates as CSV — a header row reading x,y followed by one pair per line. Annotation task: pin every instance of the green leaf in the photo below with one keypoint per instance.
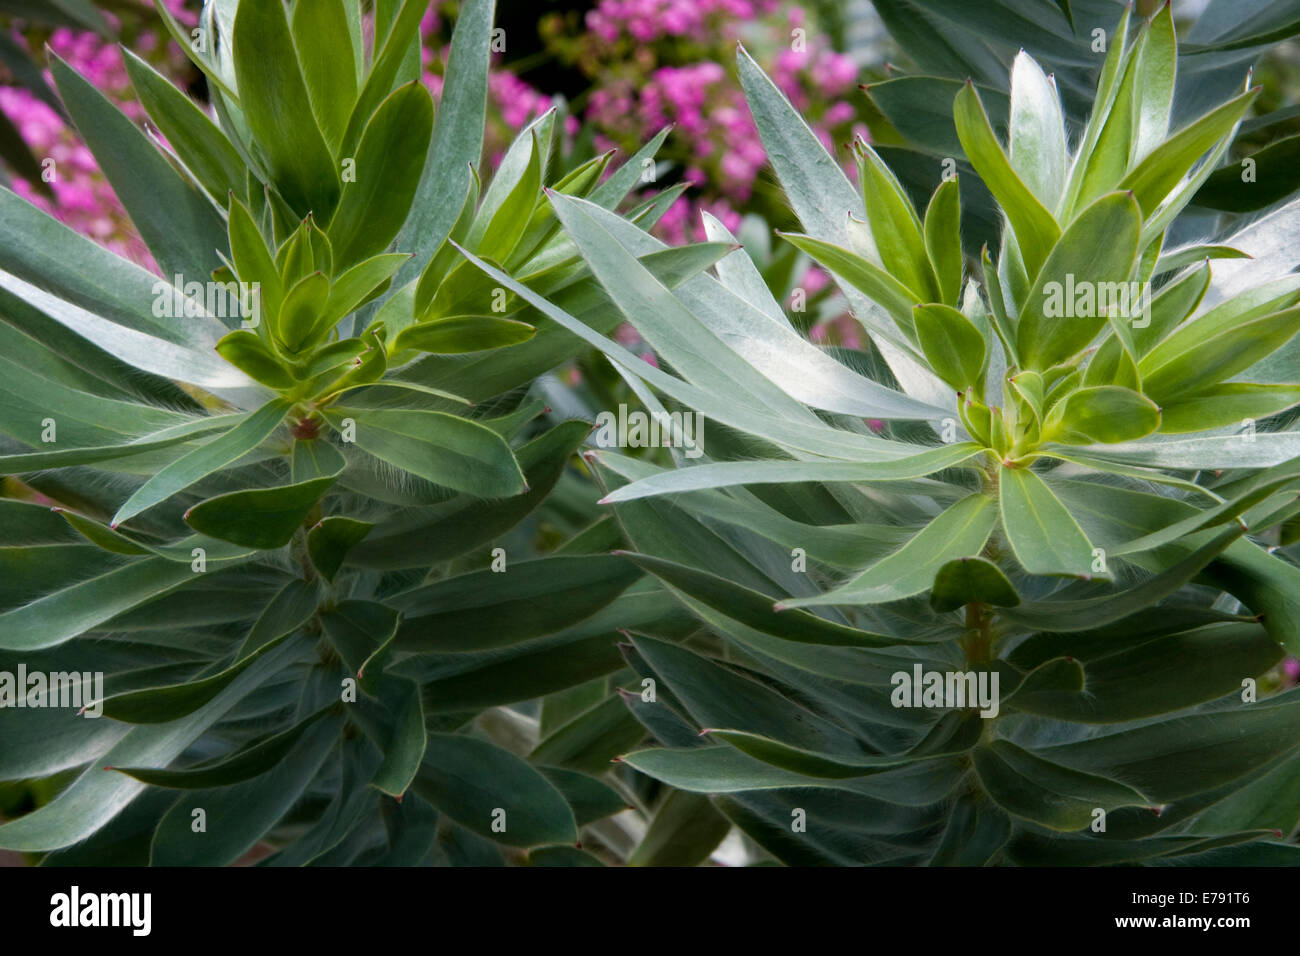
x,y
296,257
814,183
67,457
465,291
722,769
392,51
729,473
96,797
1037,131
441,448
685,830
1164,168
943,240
958,532
1036,230
15,153
757,610
589,799
976,829
1229,404
162,705
463,333
968,580
1098,248
1103,413
107,292
240,815
1026,785
1182,756
245,764
498,228
253,260
1043,534
1125,683
292,606
486,609
561,856
178,224
715,695
1205,352
313,458
872,281
1174,303
362,632
1000,320
695,350
17,58
405,749
101,536
247,352
263,518
277,107
953,345
1112,364
821,765
360,283
1272,181
1186,255
474,522
330,540
330,358
72,610
457,142
809,435
476,784
1029,388
920,108
200,144
203,461
895,227
591,739
389,161
300,322
1268,802
486,375
322,37
368,367
1106,159
1155,91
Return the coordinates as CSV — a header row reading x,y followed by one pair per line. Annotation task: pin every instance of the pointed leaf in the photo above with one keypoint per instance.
x,y
260,518
203,461
1043,534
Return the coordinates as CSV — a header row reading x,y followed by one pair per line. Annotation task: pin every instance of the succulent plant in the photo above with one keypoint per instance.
x,y
275,517
1011,586
303,529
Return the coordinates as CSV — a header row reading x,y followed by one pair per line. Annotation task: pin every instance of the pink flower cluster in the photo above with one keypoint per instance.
x,y
713,132
83,198
648,20
638,92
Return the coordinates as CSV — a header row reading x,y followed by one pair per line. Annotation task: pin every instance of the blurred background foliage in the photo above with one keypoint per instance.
x,y
622,70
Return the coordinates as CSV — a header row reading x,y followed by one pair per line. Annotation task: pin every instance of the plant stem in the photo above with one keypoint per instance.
x,y
978,642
